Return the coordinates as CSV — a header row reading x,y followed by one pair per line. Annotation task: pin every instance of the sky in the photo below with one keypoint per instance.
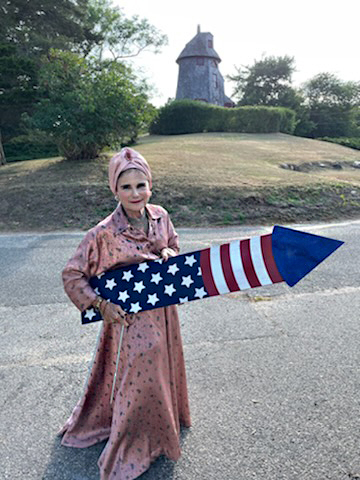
x,y
321,35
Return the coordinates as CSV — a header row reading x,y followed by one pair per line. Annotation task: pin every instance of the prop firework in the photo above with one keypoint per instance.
x,y
285,255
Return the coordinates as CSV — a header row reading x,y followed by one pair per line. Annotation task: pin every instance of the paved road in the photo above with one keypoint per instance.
x,y
273,373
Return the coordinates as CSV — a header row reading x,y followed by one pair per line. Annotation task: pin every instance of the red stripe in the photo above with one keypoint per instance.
x,y
248,264
227,269
266,247
206,273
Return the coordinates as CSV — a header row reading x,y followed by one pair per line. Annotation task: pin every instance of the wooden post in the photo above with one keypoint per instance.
x,y
2,153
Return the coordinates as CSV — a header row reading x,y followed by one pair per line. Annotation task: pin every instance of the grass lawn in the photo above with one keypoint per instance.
x,y
202,179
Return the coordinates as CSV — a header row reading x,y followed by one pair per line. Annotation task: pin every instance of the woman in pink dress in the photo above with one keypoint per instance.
x,y
151,400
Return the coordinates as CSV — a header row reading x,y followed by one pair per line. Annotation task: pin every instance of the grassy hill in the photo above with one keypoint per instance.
x,y
202,179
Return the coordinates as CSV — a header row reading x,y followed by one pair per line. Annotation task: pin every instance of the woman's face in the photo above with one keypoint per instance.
x,y
133,191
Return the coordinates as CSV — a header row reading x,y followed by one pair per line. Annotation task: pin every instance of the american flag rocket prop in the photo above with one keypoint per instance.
x,y
284,255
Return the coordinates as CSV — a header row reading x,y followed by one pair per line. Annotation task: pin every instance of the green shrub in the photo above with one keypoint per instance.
x,y
189,116
87,104
184,116
288,120
351,142
354,130
29,147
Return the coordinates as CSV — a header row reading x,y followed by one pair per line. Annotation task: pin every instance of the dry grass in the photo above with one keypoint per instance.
x,y
225,159
203,179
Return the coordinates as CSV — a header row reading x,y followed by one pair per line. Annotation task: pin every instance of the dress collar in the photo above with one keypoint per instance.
x,y
121,220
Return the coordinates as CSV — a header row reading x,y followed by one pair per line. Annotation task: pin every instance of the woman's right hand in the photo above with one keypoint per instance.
x,y
113,314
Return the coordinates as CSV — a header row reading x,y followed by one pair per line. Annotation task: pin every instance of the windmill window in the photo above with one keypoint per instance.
x,y
210,43
215,80
200,61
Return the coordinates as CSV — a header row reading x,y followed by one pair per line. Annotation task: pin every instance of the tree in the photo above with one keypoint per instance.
x,y
120,36
29,28
36,26
2,153
328,89
18,78
267,82
332,104
88,104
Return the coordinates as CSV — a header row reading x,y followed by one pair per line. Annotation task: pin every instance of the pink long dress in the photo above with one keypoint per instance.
x,y
151,400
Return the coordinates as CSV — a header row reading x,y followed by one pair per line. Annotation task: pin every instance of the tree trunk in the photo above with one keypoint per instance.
x,y
2,153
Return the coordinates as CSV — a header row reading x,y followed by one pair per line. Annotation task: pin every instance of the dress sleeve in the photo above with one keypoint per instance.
x,y
173,238
79,269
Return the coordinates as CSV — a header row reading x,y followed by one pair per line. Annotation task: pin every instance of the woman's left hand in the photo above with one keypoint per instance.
x,y
167,252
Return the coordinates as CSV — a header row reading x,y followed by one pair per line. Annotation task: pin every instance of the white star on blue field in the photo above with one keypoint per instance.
x,y
150,285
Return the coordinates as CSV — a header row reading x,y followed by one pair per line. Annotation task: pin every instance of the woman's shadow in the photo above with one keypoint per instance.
x,y
81,463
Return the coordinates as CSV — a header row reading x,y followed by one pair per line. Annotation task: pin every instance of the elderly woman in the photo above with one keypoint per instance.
x,y
151,399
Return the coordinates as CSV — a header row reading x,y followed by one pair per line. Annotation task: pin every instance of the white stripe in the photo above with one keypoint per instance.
x,y
258,261
237,266
217,272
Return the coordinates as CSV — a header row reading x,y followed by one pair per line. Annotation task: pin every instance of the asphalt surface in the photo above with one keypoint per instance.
x,y
273,373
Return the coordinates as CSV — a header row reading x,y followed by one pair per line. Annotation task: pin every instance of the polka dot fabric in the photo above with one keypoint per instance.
x,y
151,400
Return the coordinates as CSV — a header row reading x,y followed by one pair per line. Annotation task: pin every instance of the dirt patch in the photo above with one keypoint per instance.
x,y
316,166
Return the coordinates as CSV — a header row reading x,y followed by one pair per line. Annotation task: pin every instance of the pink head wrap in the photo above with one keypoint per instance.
x,y
124,160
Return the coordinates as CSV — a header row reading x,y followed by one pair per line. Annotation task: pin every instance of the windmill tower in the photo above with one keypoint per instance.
x,y
199,76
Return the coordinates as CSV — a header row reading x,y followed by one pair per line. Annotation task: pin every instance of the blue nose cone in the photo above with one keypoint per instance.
x,y
297,253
